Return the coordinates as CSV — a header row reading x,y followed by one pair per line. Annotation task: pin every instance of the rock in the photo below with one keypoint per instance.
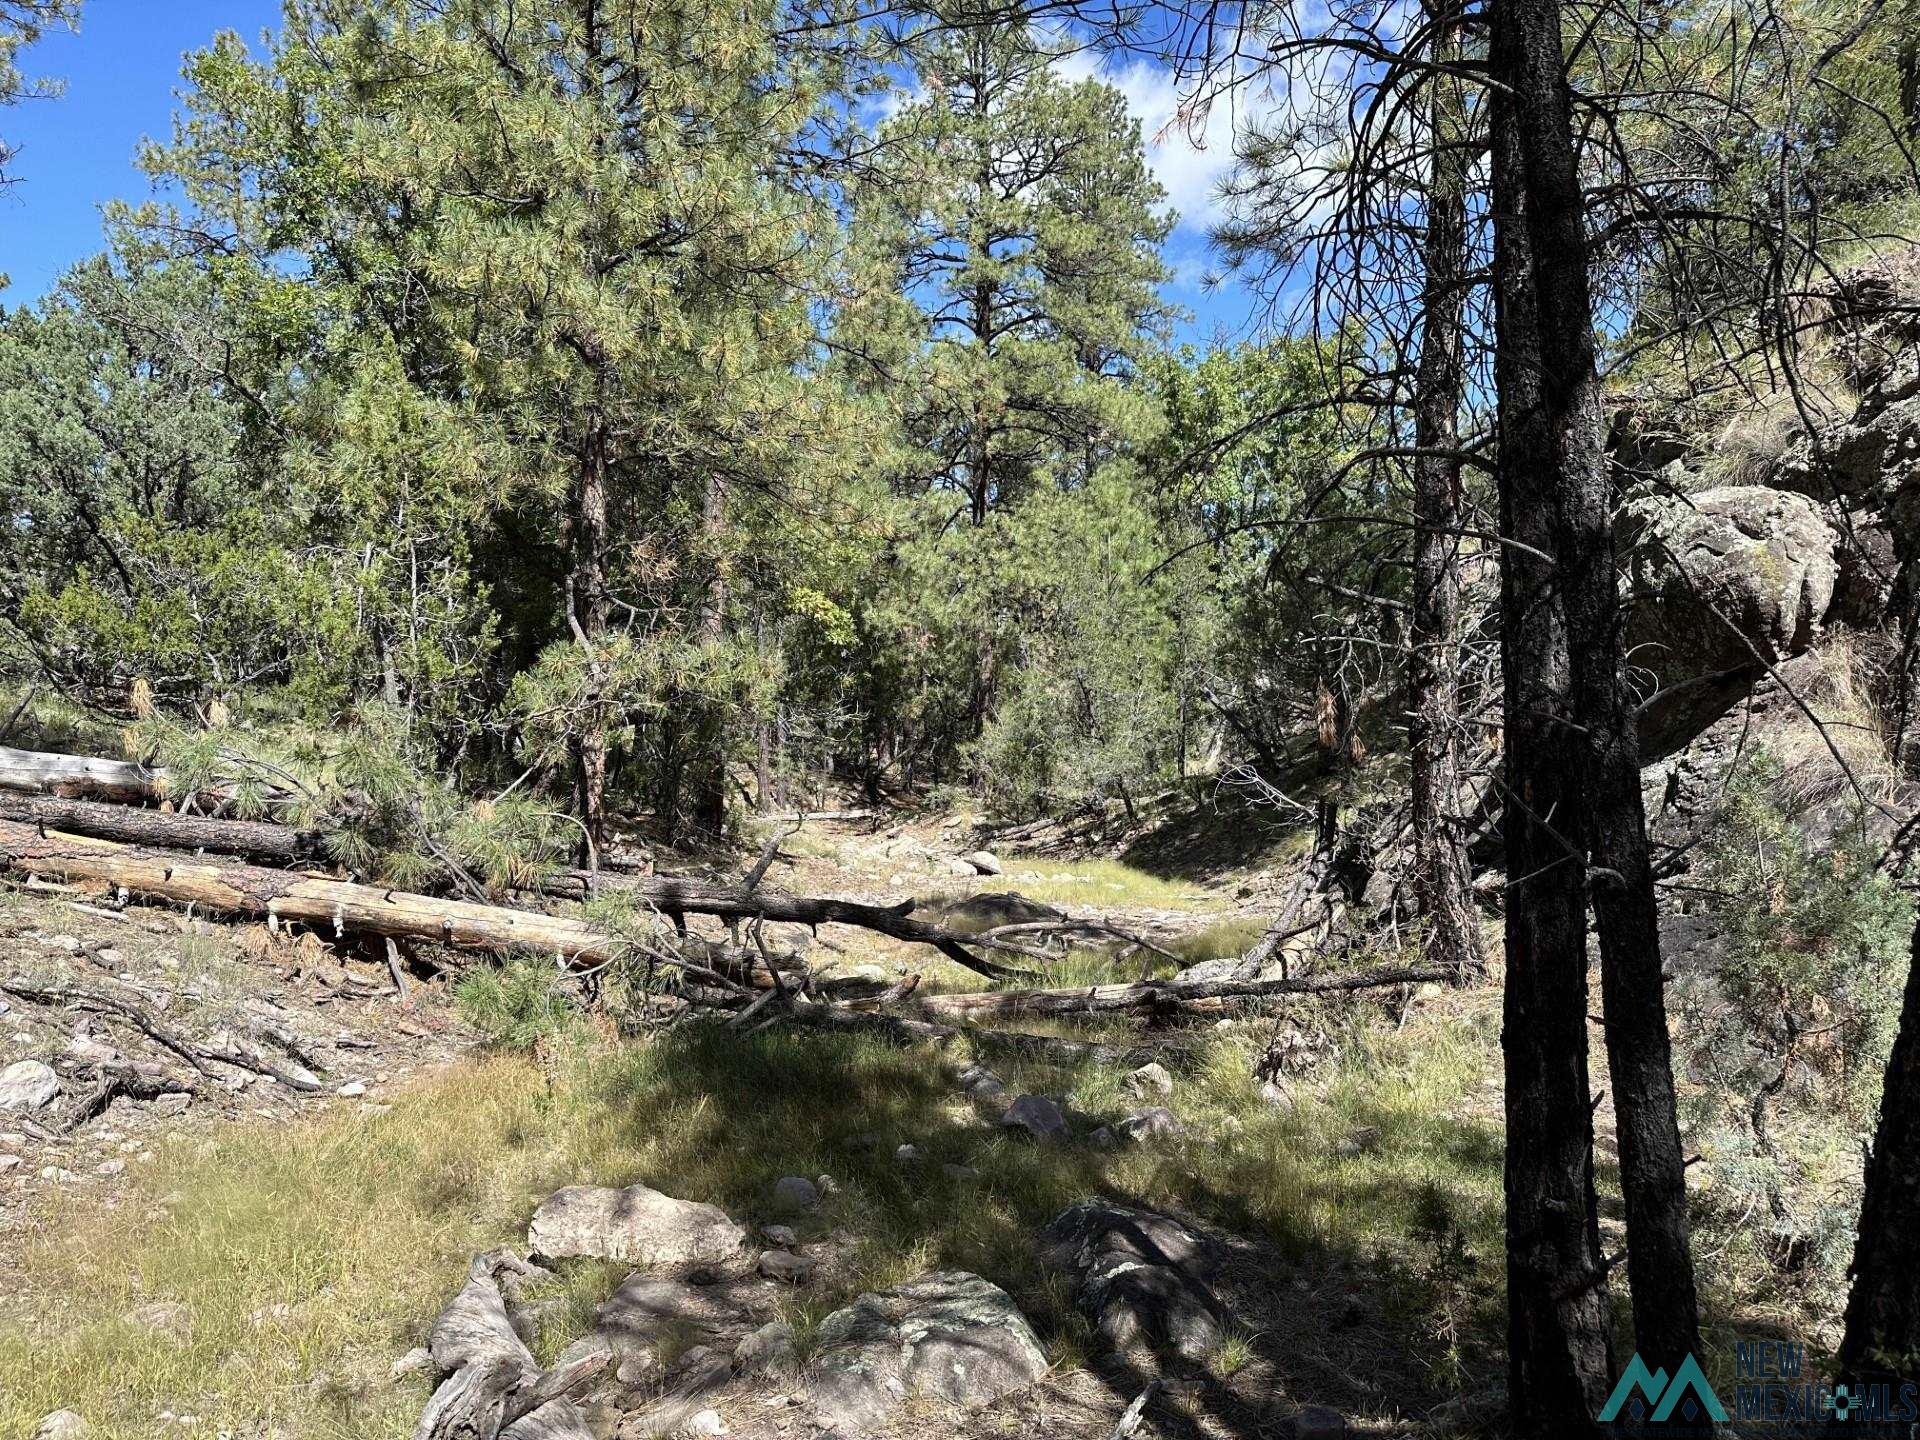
x,y
981,1083
110,1167
770,1347
1104,1139
85,1050
1038,1116
985,862
352,1090
176,1103
1139,1276
707,1422
785,1266
650,1312
1764,560
28,1085
960,867
948,1336
992,909
1314,1422
8,1162
416,1359
907,1155
780,1235
636,1225
1149,1080
1154,1123
61,1425
795,1192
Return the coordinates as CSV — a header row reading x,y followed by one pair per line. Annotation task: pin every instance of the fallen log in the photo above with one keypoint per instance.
x,y
132,825
46,773
673,897
234,888
1165,995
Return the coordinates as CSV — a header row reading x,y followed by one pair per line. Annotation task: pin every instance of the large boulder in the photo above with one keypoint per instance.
x,y
635,1225
948,1336
1143,1278
1723,583
28,1085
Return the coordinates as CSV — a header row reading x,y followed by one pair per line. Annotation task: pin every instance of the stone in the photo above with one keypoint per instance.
x,y
949,1336
61,1425
28,1085
1104,1139
785,1266
176,1103
1149,1080
1038,1116
1156,1122
651,1313
352,1090
1314,1422
635,1225
983,862
1140,1276
8,1162
795,1192
907,1155
707,1422
981,1083
85,1050
768,1348
110,1167
781,1236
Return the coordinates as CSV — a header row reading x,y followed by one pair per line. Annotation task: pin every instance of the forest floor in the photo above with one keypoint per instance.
x,y
254,1265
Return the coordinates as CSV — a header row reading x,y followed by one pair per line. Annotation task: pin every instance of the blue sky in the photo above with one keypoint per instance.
x,y
122,69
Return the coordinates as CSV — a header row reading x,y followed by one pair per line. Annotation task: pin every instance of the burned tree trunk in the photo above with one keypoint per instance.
x,y
1599,737
1442,877
132,825
1559,1345
1882,1340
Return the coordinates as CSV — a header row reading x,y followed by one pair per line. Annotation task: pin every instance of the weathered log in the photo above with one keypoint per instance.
x,y
493,1387
234,888
130,824
1166,995
45,773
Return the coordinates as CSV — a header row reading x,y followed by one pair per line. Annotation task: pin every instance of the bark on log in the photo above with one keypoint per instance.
x,y
1170,995
45,773
671,896
239,889
128,824
493,1387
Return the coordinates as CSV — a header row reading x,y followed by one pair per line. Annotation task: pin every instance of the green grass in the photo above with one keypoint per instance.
x,y
307,1258
1099,883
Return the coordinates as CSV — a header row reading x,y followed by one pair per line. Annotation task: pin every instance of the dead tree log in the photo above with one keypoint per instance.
x,y
276,895
493,1388
45,773
1167,995
132,825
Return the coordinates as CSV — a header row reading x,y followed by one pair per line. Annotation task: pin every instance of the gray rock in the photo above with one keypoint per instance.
x,y
1141,1277
1314,1422
984,861
61,1425
1104,1139
795,1192
85,1050
28,1085
907,1155
785,1266
981,1083
782,1236
948,1336
768,1348
176,1103
648,1312
1717,577
1156,1122
1038,1116
636,1225
1150,1080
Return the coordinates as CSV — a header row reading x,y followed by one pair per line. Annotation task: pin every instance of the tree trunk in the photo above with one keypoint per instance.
x,y
232,888
708,807
127,824
42,772
1882,1340
1167,995
1442,878
587,611
1609,816
1560,1348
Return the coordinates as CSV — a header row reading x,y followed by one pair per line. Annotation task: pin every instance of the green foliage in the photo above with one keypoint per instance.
x,y
518,1004
1788,1027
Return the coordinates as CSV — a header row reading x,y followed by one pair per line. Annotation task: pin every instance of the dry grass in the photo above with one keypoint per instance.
x,y
1101,884
304,1259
